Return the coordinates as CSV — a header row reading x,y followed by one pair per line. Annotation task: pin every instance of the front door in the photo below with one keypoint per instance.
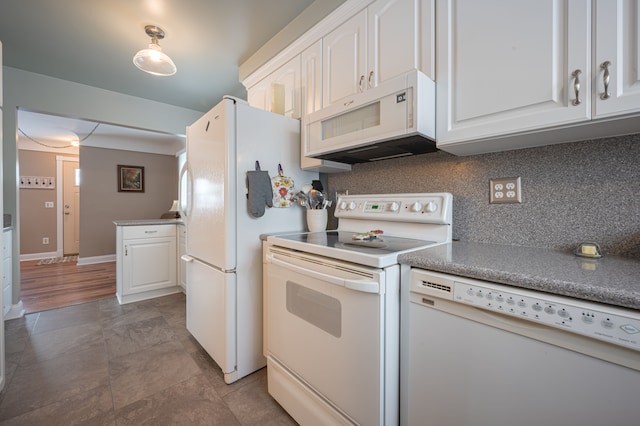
x,y
70,207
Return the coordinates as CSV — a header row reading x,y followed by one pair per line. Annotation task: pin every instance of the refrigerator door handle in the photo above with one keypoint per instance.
x,y
180,195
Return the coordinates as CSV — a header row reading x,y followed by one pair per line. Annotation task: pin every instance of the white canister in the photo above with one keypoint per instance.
x,y
316,220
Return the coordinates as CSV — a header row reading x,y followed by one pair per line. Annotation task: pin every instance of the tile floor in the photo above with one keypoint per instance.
x,y
101,363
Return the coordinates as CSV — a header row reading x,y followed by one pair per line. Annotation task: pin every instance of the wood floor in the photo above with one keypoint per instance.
x,y
44,287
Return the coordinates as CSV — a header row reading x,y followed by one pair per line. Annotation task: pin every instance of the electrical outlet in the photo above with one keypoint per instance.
x,y
505,190
48,204
45,240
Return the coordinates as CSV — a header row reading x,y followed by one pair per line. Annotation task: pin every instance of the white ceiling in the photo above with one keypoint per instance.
x,y
93,43
54,133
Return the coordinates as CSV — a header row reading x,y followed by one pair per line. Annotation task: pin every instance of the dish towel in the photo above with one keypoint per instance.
x,y
259,192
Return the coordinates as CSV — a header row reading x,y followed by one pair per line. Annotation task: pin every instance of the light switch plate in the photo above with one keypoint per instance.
x,y
505,190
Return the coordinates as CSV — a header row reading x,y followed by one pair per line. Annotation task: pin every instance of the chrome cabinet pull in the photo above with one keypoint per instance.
x,y
605,79
576,87
348,103
126,250
370,78
360,85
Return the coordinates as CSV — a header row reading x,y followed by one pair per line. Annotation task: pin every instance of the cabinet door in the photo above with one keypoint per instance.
x,y
280,91
617,46
399,39
259,96
508,66
148,264
311,78
344,60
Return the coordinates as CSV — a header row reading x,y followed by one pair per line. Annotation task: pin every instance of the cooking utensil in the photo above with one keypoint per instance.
x,y
306,188
302,199
316,198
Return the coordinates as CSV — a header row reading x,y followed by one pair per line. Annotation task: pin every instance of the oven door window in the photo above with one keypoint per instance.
x,y
319,310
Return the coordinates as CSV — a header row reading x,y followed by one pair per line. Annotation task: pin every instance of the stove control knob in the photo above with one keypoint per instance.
x,y
394,206
343,205
351,206
416,207
430,207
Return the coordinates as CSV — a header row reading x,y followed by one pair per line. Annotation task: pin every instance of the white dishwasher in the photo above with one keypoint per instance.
x,y
479,353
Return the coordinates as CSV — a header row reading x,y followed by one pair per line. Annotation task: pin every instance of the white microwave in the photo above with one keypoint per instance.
x,y
394,119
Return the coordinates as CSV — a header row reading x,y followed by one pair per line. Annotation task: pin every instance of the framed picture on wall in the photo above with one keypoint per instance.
x,y
130,179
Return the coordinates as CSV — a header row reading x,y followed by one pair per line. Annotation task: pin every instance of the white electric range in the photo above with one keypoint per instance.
x,y
332,307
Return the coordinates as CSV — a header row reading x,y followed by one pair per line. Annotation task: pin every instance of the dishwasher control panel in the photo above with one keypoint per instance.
x,y
607,323
610,324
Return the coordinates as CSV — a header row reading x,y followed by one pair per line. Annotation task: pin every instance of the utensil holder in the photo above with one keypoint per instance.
x,y
317,220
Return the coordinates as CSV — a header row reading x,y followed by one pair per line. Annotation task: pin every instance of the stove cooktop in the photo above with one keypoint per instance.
x,y
399,216
378,252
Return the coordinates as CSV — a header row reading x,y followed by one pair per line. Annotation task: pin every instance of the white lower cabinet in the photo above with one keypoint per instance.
x,y
146,262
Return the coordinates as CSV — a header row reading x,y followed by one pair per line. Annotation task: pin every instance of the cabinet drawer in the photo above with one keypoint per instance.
x,y
149,231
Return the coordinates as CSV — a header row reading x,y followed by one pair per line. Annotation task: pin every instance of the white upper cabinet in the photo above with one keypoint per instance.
x,y
280,91
399,38
344,60
617,57
508,66
311,78
388,38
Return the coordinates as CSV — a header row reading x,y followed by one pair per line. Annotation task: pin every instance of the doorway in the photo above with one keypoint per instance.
x,y
69,208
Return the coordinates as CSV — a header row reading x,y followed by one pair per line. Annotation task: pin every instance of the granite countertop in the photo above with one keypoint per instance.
x,y
140,222
610,280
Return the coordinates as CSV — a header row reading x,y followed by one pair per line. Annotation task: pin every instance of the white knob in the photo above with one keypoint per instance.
x,y
416,207
352,206
394,207
430,207
343,205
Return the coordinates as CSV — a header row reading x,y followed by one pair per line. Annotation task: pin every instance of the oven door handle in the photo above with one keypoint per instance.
x,y
364,286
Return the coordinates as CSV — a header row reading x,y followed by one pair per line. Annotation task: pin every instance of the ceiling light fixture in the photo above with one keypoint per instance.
x,y
152,59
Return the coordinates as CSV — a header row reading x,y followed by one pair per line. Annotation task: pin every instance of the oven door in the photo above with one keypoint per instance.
x,y
325,329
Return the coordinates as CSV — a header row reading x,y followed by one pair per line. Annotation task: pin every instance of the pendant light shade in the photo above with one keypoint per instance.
x,y
153,60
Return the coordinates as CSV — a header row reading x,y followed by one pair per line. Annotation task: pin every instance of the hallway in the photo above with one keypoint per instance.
x,y
56,285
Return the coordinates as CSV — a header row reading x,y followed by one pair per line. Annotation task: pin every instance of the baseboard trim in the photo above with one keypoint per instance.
x,y
37,256
16,311
96,259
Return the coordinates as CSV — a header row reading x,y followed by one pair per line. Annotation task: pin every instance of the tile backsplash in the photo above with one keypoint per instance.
x,y
571,193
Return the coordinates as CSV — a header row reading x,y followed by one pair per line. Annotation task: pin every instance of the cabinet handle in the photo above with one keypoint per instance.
x,y
126,250
348,103
605,79
150,232
370,78
361,84
576,87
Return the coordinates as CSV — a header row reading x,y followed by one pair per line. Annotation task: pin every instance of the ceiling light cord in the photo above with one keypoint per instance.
x,y
58,147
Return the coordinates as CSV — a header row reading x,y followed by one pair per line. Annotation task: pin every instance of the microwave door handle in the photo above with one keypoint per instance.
x,y
364,286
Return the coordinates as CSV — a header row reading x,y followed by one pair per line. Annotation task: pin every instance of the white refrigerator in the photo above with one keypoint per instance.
x,y
223,247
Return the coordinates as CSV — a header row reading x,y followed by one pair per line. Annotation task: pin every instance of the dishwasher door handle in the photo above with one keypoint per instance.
x,y
364,286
